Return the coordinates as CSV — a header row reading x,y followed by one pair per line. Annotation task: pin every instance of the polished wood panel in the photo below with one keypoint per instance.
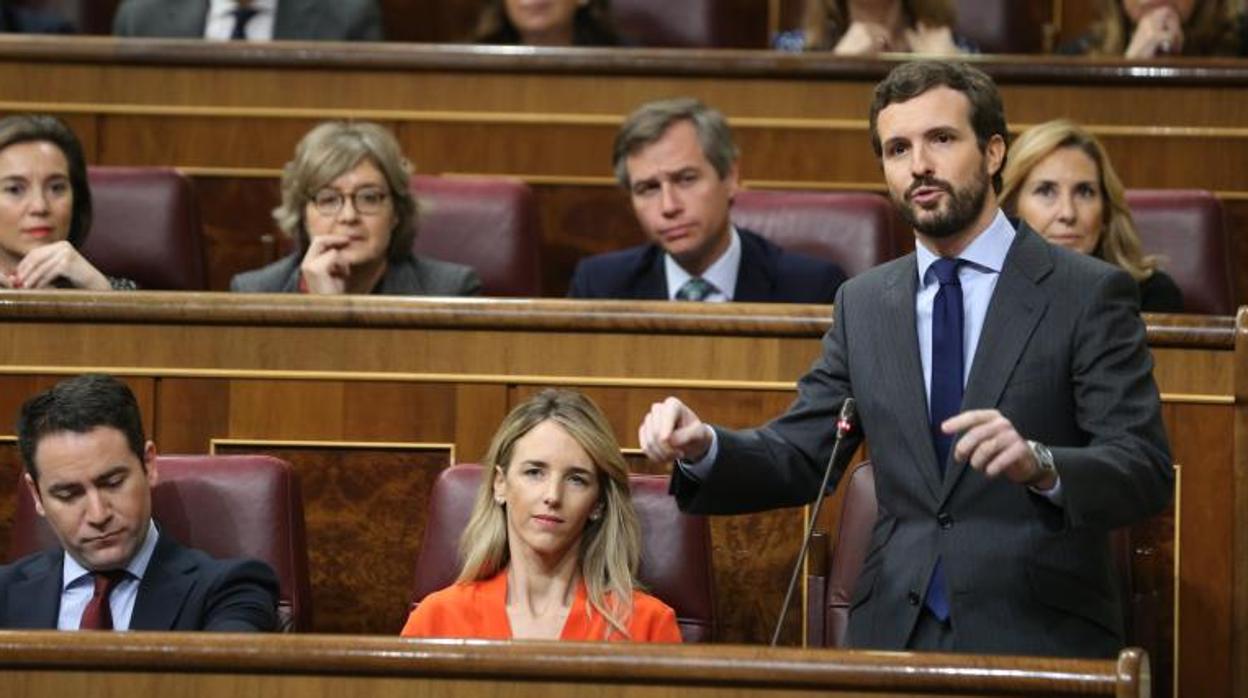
x,y
356,375
222,666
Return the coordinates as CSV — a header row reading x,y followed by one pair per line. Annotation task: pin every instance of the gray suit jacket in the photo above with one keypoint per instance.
x,y
1063,356
183,589
414,276
330,20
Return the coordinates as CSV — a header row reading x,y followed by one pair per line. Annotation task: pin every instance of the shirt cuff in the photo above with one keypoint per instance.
x,y
700,469
1054,494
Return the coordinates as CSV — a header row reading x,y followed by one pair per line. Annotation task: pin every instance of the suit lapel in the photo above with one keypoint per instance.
x,y
186,18
755,273
293,20
35,602
1018,303
164,588
652,279
898,329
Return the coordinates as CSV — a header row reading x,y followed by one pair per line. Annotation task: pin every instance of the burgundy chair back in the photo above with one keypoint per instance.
x,y
852,229
675,557
226,506
692,23
146,227
1001,26
487,223
1187,229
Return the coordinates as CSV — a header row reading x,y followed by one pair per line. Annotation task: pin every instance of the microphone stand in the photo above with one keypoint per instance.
x,y
844,425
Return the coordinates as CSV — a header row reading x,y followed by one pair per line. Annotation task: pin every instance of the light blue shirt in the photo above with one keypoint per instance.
x,y
78,586
722,274
983,258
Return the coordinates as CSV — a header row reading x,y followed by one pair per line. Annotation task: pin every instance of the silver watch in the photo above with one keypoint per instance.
x,y
1044,458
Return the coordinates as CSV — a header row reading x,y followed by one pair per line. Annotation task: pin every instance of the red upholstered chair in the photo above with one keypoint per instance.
x,y
692,23
1188,229
675,551
488,223
146,227
1001,26
227,506
835,563
852,229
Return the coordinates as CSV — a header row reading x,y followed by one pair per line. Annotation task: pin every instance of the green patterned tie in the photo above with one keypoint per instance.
x,y
695,289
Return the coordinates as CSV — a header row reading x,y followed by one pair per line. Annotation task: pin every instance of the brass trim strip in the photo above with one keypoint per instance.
x,y
539,118
402,377
1198,398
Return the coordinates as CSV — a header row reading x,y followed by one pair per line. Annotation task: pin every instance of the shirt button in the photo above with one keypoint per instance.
x,y
913,598
944,520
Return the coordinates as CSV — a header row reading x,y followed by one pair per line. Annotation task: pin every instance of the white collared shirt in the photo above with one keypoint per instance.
x,y
220,21
722,274
78,586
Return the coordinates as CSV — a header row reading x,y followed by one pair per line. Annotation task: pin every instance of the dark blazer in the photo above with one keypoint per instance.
x,y
414,276
1159,294
330,20
1062,355
768,274
183,589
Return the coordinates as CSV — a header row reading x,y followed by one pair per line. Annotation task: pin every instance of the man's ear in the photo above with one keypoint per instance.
x,y
33,489
149,463
994,151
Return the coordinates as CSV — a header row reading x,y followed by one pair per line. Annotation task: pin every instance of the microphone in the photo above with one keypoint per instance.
x,y
845,425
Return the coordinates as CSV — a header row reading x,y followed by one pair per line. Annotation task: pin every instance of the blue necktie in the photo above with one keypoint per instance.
x,y
946,397
695,289
242,16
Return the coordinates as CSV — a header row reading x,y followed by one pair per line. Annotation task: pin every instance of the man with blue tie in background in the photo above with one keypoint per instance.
x,y
1004,387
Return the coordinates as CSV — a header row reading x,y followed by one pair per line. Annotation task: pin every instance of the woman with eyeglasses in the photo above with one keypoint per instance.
x,y
346,203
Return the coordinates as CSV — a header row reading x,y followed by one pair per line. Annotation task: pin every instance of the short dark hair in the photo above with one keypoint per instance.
x,y
32,128
79,405
909,80
649,122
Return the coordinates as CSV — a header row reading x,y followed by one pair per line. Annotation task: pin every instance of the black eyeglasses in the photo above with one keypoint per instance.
x,y
370,200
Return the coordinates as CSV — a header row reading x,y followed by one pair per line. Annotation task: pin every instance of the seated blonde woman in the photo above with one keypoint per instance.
x,y
347,205
552,546
1058,180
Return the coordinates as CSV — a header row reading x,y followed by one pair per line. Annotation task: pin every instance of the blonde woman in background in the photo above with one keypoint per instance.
x,y
1059,180
1151,28
552,546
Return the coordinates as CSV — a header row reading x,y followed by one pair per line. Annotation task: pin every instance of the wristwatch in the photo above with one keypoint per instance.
x,y
1044,458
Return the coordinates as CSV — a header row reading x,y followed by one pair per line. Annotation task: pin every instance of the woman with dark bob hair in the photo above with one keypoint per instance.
x,y
45,208
551,23
1059,180
553,543
347,205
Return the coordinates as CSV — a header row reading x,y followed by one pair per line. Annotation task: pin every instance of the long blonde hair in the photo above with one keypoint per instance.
x,y
1120,242
610,547
825,21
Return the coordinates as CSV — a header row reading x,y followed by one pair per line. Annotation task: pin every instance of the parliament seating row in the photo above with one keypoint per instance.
x,y
252,506
147,229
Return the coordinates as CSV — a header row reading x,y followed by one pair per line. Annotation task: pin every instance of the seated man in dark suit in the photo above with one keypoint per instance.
x,y
677,160
252,20
90,472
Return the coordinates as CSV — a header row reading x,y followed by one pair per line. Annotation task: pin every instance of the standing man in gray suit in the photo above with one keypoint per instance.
x,y
1005,388
253,20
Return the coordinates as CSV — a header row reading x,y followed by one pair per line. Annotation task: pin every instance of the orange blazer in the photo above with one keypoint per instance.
x,y
479,610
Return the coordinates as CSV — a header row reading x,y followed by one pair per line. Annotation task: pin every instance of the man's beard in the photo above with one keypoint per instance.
x,y
963,208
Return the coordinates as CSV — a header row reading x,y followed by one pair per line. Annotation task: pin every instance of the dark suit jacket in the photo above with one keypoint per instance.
x,y
414,276
1062,355
768,274
183,589
330,20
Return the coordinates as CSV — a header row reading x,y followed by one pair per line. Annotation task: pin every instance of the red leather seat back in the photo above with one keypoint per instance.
x,y
675,558
226,506
1187,228
849,551
854,230
487,223
692,23
146,227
